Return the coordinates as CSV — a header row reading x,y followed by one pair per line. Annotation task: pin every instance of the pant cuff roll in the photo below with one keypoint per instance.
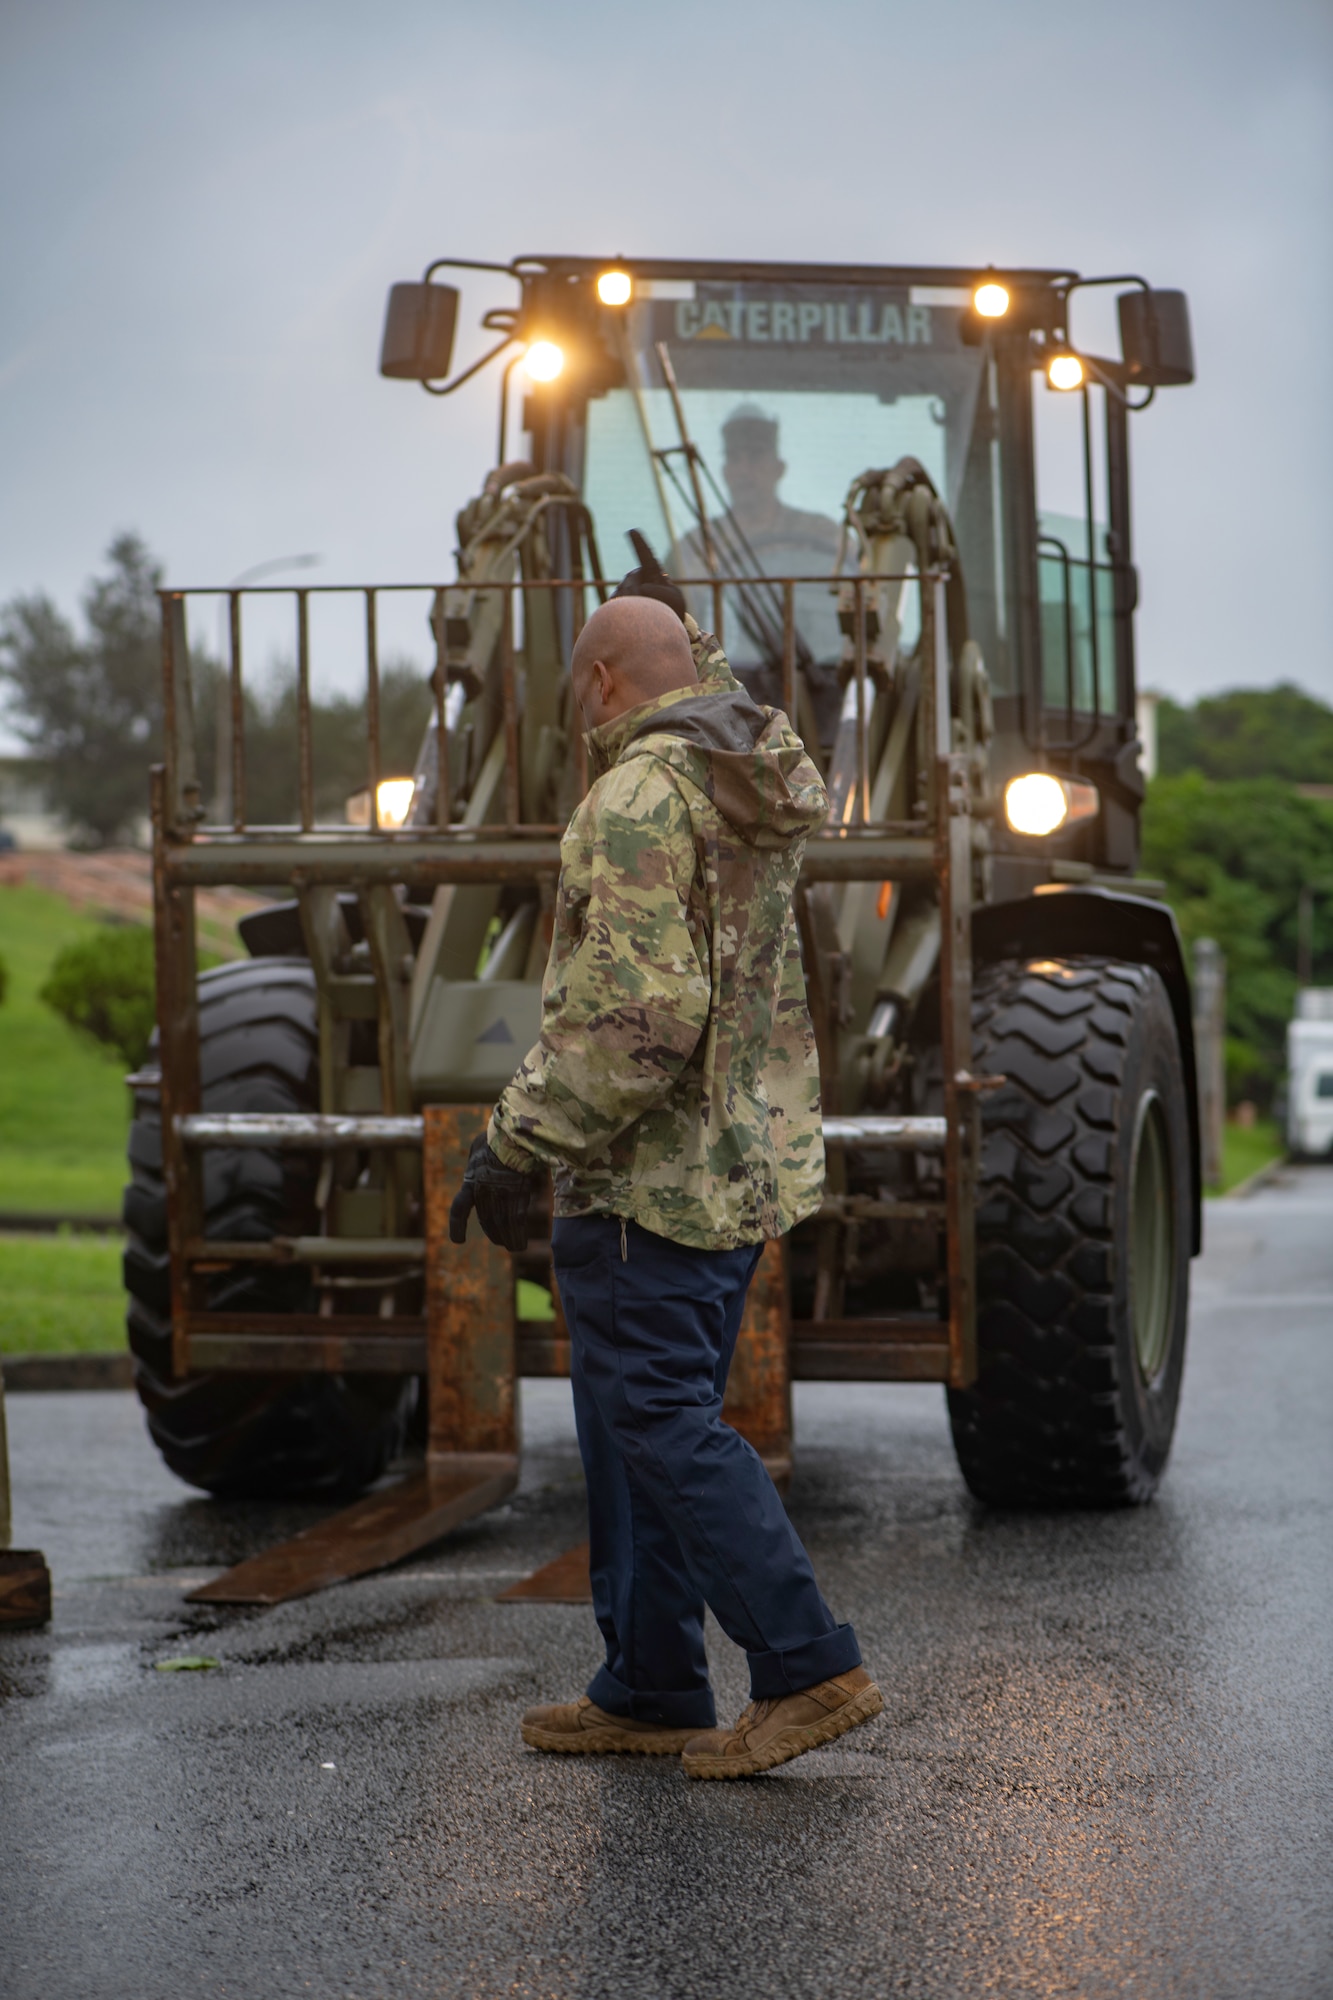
x,y
673,1708
773,1675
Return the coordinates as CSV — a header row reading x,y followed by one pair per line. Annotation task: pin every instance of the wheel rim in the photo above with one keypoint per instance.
x,y
1152,1238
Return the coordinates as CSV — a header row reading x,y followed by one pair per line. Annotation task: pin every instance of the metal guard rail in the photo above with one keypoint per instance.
x,y
186,814
295,1131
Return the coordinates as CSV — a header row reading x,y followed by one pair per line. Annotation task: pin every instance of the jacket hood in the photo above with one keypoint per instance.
x,y
746,759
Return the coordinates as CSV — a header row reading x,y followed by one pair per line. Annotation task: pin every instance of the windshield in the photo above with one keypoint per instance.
x,y
788,392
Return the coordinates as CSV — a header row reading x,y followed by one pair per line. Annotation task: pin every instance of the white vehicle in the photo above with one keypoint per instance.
x,y
1310,1070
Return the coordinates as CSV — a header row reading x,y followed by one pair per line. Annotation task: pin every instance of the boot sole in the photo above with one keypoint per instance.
x,y
602,1742
791,1743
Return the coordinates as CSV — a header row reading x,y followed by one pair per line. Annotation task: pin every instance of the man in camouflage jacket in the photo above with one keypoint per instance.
x,y
676,1082
674,1094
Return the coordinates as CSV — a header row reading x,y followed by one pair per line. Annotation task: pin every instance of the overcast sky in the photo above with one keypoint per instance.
x,y
205,204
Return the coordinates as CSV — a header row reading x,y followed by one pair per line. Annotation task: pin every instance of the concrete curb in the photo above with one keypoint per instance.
x,y
66,1371
1258,1179
13,1223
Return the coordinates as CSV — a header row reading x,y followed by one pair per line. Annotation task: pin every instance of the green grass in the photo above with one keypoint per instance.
x,y
1246,1148
60,1294
64,1108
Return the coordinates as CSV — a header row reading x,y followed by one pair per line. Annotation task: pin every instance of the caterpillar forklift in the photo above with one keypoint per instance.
x,y
901,498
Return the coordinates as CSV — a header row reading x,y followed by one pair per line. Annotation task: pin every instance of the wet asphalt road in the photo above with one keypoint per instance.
x,y
1103,1766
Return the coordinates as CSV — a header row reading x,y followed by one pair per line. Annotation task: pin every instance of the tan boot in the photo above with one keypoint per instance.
x,y
583,1728
772,1732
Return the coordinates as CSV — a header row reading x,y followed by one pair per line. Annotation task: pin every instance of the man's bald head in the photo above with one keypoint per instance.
x,y
632,649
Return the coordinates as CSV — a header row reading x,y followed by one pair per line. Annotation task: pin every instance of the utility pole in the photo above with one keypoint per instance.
x,y
1305,936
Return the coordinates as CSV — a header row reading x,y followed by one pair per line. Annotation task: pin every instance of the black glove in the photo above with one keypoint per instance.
x,y
650,579
500,1195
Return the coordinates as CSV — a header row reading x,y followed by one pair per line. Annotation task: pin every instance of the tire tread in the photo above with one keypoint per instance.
x,y
1044,1424
264,1435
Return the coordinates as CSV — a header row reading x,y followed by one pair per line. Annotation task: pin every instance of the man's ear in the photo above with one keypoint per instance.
x,y
604,681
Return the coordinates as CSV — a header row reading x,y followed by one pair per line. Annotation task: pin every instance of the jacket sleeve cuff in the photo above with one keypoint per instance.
x,y
515,1157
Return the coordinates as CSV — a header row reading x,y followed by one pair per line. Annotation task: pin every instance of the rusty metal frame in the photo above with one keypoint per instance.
x,y
189,855
471,1387
186,817
467,1342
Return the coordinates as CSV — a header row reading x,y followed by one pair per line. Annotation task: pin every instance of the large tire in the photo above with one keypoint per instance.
x,y
263,1435
1083,1237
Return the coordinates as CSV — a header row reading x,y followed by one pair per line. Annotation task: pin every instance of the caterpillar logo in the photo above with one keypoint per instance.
x,y
828,322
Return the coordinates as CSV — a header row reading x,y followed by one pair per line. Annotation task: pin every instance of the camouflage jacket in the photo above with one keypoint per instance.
x,y
675,1081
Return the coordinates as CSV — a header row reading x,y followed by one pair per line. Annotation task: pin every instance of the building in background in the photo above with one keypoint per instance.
x,y
26,821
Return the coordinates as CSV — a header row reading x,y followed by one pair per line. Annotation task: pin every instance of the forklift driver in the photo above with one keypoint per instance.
x,y
787,540
782,541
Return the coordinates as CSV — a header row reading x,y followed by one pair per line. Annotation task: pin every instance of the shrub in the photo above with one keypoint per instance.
x,y
103,986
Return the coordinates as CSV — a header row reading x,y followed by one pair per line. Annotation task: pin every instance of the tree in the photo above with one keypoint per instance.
x,y
1277,732
338,742
1234,857
91,707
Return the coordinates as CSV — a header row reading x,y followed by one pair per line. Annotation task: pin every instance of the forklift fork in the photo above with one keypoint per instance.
x,y
472,1406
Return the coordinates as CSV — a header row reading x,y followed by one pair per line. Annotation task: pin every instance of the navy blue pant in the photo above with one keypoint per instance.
x,y
681,1511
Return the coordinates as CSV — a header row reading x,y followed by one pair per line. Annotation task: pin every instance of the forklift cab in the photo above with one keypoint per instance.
x,y
726,410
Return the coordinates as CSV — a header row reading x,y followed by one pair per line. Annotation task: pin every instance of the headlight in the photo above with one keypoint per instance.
x,y
991,300
543,361
1038,804
1065,371
393,800
614,288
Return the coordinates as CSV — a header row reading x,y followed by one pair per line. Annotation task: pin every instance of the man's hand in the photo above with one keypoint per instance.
x,y
500,1195
650,579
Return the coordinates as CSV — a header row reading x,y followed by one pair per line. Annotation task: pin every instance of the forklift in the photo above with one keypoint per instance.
x,y
845,469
